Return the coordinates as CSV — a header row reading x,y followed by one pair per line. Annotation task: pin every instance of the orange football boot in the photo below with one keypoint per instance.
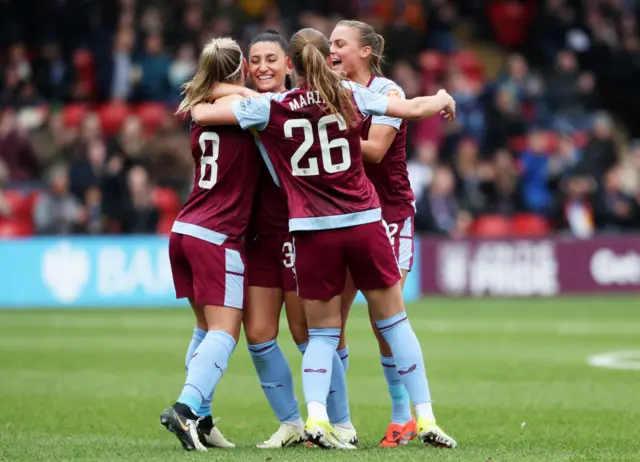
x,y
399,435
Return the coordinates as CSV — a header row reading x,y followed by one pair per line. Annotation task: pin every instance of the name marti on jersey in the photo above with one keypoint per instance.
x,y
310,97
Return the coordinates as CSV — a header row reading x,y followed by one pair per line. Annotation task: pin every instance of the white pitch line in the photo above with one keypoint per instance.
x,y
624,360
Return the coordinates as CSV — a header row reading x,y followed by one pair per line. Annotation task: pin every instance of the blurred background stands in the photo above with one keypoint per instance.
x,y
545,139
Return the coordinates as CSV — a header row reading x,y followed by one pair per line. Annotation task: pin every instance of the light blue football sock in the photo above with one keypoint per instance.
x,y
338,399
275,379
196,339
206,368
344,357
400,405
407,353
317,363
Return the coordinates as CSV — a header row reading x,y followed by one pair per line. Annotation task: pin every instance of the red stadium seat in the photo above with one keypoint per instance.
x,y
13,228
491,226
73,113
151,115
112,116
167,201
21,205
530,225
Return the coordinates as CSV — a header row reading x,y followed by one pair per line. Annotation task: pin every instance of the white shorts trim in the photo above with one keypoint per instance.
x,y
198,232
234,279
335,221
405,253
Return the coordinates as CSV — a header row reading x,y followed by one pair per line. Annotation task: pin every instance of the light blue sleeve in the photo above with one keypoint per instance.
x,y
390,90
368,102
253,112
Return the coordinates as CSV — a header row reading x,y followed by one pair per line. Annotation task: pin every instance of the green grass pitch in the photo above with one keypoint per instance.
x,y
90,384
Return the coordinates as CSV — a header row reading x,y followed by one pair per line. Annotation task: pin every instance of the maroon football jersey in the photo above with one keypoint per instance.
x,y
270,213
316,158
390,177
227,169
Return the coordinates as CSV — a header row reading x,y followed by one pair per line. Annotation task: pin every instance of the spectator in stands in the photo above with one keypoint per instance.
x,y
182,68
571,92
574,209
86,172
140,215
5,208
90,128
469,111
16,150
563,161
438,211
472,176
503,193
93,207
117,71
630,170
51,74
535,174
504,119
600,153
526,87
421,167
614,210
154,66
57,210
555,20
442,17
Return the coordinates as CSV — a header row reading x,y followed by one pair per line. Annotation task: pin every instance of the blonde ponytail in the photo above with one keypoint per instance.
x,y
220,61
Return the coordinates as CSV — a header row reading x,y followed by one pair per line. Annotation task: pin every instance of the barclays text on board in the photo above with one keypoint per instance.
x,y
87,272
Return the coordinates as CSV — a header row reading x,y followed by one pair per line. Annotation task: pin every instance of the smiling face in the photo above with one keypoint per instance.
x,y
347,54
268,66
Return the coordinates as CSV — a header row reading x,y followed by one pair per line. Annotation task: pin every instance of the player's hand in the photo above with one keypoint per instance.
x,y
449,106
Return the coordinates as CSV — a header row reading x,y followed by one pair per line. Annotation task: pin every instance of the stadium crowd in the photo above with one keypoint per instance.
x,y
89,143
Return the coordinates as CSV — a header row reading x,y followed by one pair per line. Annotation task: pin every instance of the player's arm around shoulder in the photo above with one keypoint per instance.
x,y
222,89
218,113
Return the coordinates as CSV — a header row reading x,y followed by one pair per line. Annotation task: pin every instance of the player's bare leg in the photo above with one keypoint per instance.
x,y
261,325
386,309
324,321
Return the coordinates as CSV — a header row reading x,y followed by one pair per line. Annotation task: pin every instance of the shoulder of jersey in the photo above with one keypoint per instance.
x,y
387,87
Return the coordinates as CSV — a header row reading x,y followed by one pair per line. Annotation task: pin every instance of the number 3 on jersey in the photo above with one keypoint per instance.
x,y
211,161
325,146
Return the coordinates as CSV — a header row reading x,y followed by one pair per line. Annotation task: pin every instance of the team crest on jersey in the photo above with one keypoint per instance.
x,y
393,94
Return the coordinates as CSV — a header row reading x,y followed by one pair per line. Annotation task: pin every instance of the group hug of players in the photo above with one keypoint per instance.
x,y
301,196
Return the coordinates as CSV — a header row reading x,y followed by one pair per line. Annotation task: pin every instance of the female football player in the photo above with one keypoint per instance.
x,y
206,247
356,53
311,136
271,276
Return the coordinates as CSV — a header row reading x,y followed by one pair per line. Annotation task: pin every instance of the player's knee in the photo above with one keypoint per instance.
x,y
299,332
257,334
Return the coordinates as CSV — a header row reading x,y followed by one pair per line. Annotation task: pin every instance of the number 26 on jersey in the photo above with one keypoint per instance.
x,y
325,145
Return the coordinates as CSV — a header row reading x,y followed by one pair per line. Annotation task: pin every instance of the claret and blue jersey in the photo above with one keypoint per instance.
x,y
314,156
